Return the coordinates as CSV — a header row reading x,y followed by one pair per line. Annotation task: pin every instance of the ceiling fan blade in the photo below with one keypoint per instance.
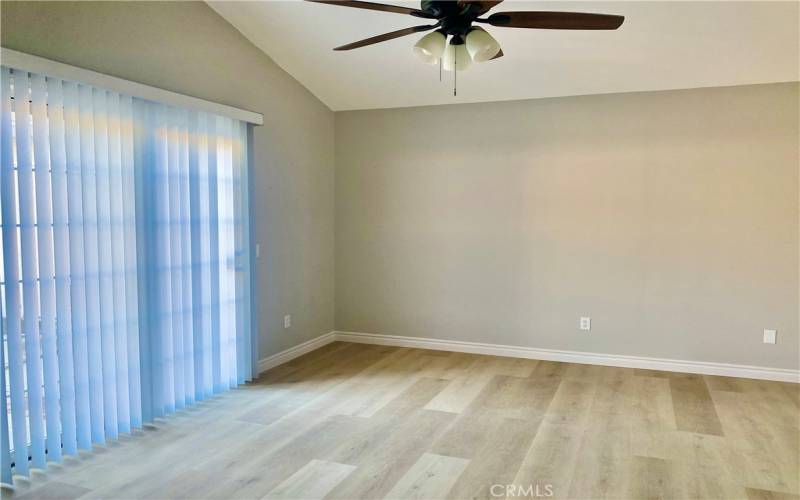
x,y
386,36
376,6
554,20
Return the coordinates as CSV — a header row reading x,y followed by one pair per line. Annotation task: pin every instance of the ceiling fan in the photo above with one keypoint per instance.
x,y
454,19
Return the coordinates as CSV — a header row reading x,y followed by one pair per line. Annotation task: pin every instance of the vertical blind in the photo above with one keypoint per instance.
x,y
125,272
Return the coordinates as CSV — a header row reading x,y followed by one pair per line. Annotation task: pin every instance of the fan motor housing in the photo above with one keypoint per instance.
x,y
455,18
441,8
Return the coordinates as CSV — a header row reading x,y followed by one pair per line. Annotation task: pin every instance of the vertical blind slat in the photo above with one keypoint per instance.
x,y
213,249
47,289
227,257
5,189
58,163
251,291
186,261
240,173
104,265
196,138
130,259
30,296
143,177
91,249
11,272
206,305
77,279
173,224
118,275
164,307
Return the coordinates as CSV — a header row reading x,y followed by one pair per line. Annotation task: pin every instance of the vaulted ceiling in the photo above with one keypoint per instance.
x,y
661,45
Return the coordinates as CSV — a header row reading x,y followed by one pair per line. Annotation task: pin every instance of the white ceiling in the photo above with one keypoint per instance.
x,y
661,45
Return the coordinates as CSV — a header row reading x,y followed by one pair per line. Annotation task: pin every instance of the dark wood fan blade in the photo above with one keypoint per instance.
x,y
376,6
555,20
386,36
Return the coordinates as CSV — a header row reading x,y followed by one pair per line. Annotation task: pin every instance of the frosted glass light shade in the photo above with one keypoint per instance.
x,y
430,47
481,45
456,56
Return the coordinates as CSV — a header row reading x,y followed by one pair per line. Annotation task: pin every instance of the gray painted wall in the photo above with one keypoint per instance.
x,y
671,218
186,47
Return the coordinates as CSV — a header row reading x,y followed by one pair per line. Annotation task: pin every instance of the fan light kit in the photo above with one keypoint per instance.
x,y
467,43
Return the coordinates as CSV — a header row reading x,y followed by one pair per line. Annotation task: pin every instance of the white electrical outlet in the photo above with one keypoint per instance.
x,y
586,323
770,336
287,321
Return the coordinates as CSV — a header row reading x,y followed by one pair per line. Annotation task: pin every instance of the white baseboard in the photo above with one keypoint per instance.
x,y
294,352
672,365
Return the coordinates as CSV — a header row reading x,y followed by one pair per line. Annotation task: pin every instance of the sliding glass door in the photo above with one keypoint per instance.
x,y
125,272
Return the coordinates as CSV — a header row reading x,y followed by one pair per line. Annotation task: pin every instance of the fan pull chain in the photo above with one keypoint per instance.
x,y
440,70
455,72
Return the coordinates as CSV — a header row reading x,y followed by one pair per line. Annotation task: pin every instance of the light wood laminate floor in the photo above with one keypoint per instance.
x,y
360,421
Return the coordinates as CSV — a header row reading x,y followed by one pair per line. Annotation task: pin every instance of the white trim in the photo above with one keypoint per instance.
x,y
47,67
672,365
294,352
